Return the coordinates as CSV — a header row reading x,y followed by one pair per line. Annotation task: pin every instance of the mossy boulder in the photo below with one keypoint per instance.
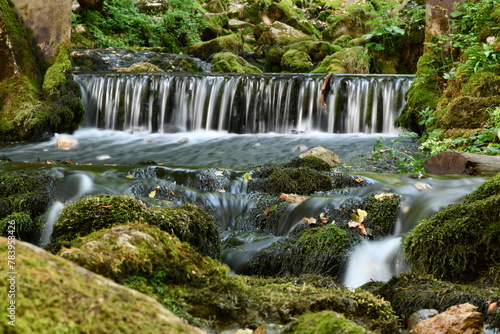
x,y
409,293
460,241
190,224
301,180
229,43
143,67
52,290
295,61
25,196
317,50
228,62
354,60
279,33
352,23
325,322
93,213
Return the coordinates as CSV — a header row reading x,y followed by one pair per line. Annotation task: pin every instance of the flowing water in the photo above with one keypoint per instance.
x,y
205,132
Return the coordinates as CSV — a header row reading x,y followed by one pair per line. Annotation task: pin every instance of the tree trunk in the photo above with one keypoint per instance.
x,y
462,164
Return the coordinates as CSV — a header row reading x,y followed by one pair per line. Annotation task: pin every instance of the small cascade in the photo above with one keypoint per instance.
x,y
243,103
52,216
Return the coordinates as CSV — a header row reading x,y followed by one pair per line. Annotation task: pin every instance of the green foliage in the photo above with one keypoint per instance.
x,y
325,322
485,140
23,226
407,162
121,24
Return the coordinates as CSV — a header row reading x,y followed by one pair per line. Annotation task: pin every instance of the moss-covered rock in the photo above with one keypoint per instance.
x,y
143,67
302,180
352,24
423,93
189,223
460,241
228,62
229,43
25,196
325,322
295,61
317,50
279,33
52,290
354,60
93,213
409,293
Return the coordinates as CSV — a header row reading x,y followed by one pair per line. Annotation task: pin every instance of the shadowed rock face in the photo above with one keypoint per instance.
x,y
50,22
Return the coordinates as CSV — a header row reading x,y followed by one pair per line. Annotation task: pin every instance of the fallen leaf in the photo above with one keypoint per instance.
x,y
359,179
421,186
361,215
491,306
218,173
247,176
293,198
152,194
172,192
382,196
323,217
358,225
129,176
106,206
157,188
221,191
310,221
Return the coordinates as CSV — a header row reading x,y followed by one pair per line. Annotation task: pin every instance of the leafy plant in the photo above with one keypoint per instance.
x,y
484,141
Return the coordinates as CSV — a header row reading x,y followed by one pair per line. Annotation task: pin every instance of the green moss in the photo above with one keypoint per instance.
x,y
423,93
143,67
325,322
227,62
310,162
93,213
317,50
54,83
189,223
230,43
459,242
53,295
302,180
355,60
296,61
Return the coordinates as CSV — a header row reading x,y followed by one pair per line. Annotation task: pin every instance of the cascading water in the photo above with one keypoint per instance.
x,y
251,103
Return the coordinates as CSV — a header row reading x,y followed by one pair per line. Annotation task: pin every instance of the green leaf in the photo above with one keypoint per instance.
x,y
456,14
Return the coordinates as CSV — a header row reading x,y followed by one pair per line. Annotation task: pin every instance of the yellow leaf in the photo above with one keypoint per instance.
x,y
129,176
152,194
361,215
382,196
247,176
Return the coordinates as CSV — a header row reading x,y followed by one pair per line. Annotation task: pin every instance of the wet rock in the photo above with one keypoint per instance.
x,y
322,153
228,62
230,43
458,319
66,143
71,294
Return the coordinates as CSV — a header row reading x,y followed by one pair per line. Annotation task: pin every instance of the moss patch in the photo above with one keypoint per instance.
x,y
354,60
230,43
325,322
302,180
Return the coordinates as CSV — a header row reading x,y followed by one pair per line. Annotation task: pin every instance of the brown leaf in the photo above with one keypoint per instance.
x,y
358,225
383,196
293,198
310,221
359,179
491,306
361,215
106,206
323,217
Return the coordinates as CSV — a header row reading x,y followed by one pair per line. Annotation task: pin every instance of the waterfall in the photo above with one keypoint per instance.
x,y
242,103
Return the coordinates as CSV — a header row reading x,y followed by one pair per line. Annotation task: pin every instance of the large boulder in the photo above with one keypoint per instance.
x,y
354,60
47,289
322,153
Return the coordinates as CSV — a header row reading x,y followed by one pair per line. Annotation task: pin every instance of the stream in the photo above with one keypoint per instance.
x,y
190,129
